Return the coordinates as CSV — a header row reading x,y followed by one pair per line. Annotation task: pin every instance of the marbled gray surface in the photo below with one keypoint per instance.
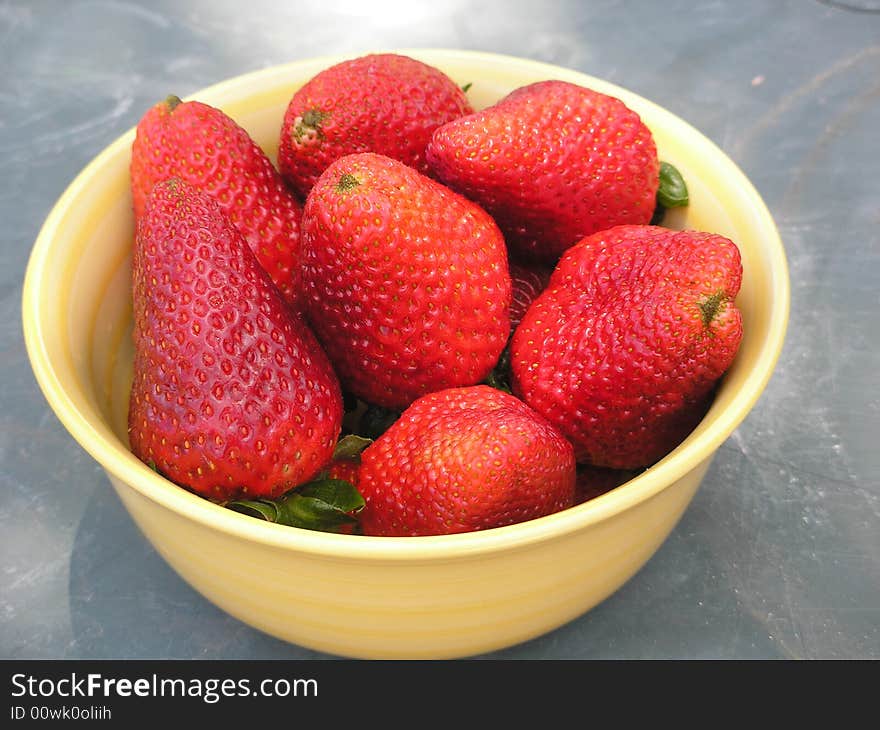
x,y
778,556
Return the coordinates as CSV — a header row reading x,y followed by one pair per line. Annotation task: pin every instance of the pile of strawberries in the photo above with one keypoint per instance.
x,y
427,319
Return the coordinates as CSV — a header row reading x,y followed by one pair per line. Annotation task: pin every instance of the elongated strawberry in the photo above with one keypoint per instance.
x,y
552,162
621,352
232,395
205,147
464,459
384,103
406,283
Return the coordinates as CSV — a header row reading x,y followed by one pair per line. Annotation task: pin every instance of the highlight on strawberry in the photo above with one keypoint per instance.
x,y
231,395
205,147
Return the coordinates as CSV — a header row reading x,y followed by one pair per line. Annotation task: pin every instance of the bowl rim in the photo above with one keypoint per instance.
x,y
126,468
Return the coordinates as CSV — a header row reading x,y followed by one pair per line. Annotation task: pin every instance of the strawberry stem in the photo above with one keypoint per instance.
x,y
347,182
172,101
309,125
710,307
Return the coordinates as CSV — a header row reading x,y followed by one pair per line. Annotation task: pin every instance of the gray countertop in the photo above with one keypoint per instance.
x,y
778,555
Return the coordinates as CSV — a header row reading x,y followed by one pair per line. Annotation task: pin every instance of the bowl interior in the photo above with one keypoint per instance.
x,y
77,309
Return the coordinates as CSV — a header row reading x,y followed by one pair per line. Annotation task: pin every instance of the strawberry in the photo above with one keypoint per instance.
x,y
405,282
206,148
464,459
384,103
346,459
232,395
621,352
552,162
344,469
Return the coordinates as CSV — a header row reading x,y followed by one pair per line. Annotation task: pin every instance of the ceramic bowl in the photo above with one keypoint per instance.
x,y
369,597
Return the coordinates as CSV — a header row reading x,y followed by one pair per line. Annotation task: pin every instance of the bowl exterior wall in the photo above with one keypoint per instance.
x,y
374,609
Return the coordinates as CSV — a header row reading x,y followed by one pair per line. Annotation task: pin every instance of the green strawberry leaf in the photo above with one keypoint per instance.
x,y
263,509
673,192
337,494
350,446
311,513
466,87
325,505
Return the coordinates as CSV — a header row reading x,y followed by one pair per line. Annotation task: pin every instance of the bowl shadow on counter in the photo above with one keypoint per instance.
x,y
127,602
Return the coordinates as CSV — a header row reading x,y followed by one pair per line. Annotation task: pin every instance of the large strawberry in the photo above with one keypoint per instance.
x,y
464,459
406,283
208,149
385,103
623,349
552,162
232,395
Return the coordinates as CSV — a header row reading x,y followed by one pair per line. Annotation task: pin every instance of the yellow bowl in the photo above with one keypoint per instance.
x,y
424,597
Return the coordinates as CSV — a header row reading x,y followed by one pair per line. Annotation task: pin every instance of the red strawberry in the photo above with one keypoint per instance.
x,y
527,283
464,459
384,103
232,395
551,162
204,147
346,459
344,469
623,348
406,283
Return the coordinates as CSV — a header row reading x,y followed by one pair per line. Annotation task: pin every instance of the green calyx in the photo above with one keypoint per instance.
x,y
308,126
710,307
324,504
350,446
672,192
172,102
327,505
347,182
